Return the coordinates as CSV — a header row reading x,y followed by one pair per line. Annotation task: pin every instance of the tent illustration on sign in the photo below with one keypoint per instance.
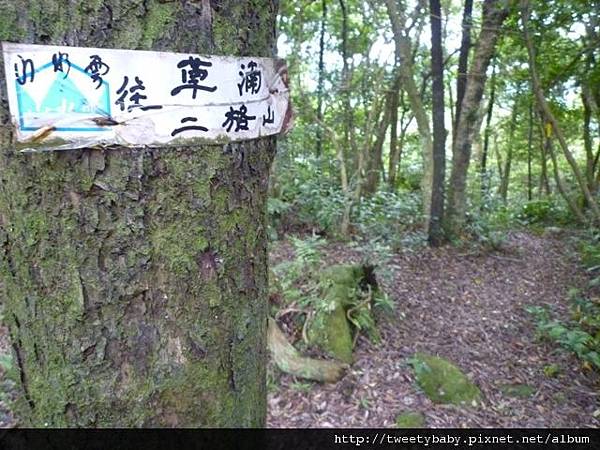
x,y
64,96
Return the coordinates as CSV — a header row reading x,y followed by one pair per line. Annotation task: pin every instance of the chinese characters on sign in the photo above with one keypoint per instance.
x,y
135,97
97,69
192,76
71,97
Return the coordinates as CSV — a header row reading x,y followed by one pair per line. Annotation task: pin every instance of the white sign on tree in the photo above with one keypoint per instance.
x,y
71,97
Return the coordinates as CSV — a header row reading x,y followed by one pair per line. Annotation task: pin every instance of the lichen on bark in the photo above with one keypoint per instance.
x,y
135,279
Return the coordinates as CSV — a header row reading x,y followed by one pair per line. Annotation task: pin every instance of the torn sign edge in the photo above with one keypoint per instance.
x,y
43,140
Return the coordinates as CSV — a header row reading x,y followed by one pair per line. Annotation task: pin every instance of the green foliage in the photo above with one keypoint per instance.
x,y
307,250
590,256
547,211
364,403
489,228
580,334
272,380
410,419
488,225
296,278
536,211
305,198
389,216
552,370
302,188
276,209
563,34
383,302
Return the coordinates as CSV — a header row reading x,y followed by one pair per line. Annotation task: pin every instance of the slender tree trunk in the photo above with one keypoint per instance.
x,y
375,152
451,102
345,224
544,184
590,108
436,233
591,93
135,280
499,162
321,80
486,138
529,153
345,87
375,125
393,154
374,156
509,154
375,162
403,49
587,144
560,185
463,61
591,90
342,149
344,179
396,161
494,13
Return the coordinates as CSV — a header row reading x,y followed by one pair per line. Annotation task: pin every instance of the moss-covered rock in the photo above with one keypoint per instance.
x,y
330,329
331,332
410,419
442,381
518,390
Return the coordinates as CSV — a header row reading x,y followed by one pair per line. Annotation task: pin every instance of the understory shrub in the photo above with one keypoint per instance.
x,y
580,332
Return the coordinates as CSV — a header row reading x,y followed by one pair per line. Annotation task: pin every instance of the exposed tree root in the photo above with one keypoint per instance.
x,y
289,360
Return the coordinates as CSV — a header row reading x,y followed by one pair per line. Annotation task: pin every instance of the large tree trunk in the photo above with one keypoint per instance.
x,y
494,13
463,61
436,234
135,280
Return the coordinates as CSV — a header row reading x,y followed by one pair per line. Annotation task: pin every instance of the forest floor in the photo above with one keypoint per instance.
x,y
467,307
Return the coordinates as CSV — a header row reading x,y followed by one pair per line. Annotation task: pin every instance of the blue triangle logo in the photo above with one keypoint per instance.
x,y
63,97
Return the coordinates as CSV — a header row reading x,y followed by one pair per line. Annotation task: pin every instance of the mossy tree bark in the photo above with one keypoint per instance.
x,y
134,280
494,12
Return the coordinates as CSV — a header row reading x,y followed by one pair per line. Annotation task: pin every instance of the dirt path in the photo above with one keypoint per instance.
x,y
468,309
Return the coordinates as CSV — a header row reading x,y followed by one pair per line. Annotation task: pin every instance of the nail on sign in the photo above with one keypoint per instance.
x,y
71,97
